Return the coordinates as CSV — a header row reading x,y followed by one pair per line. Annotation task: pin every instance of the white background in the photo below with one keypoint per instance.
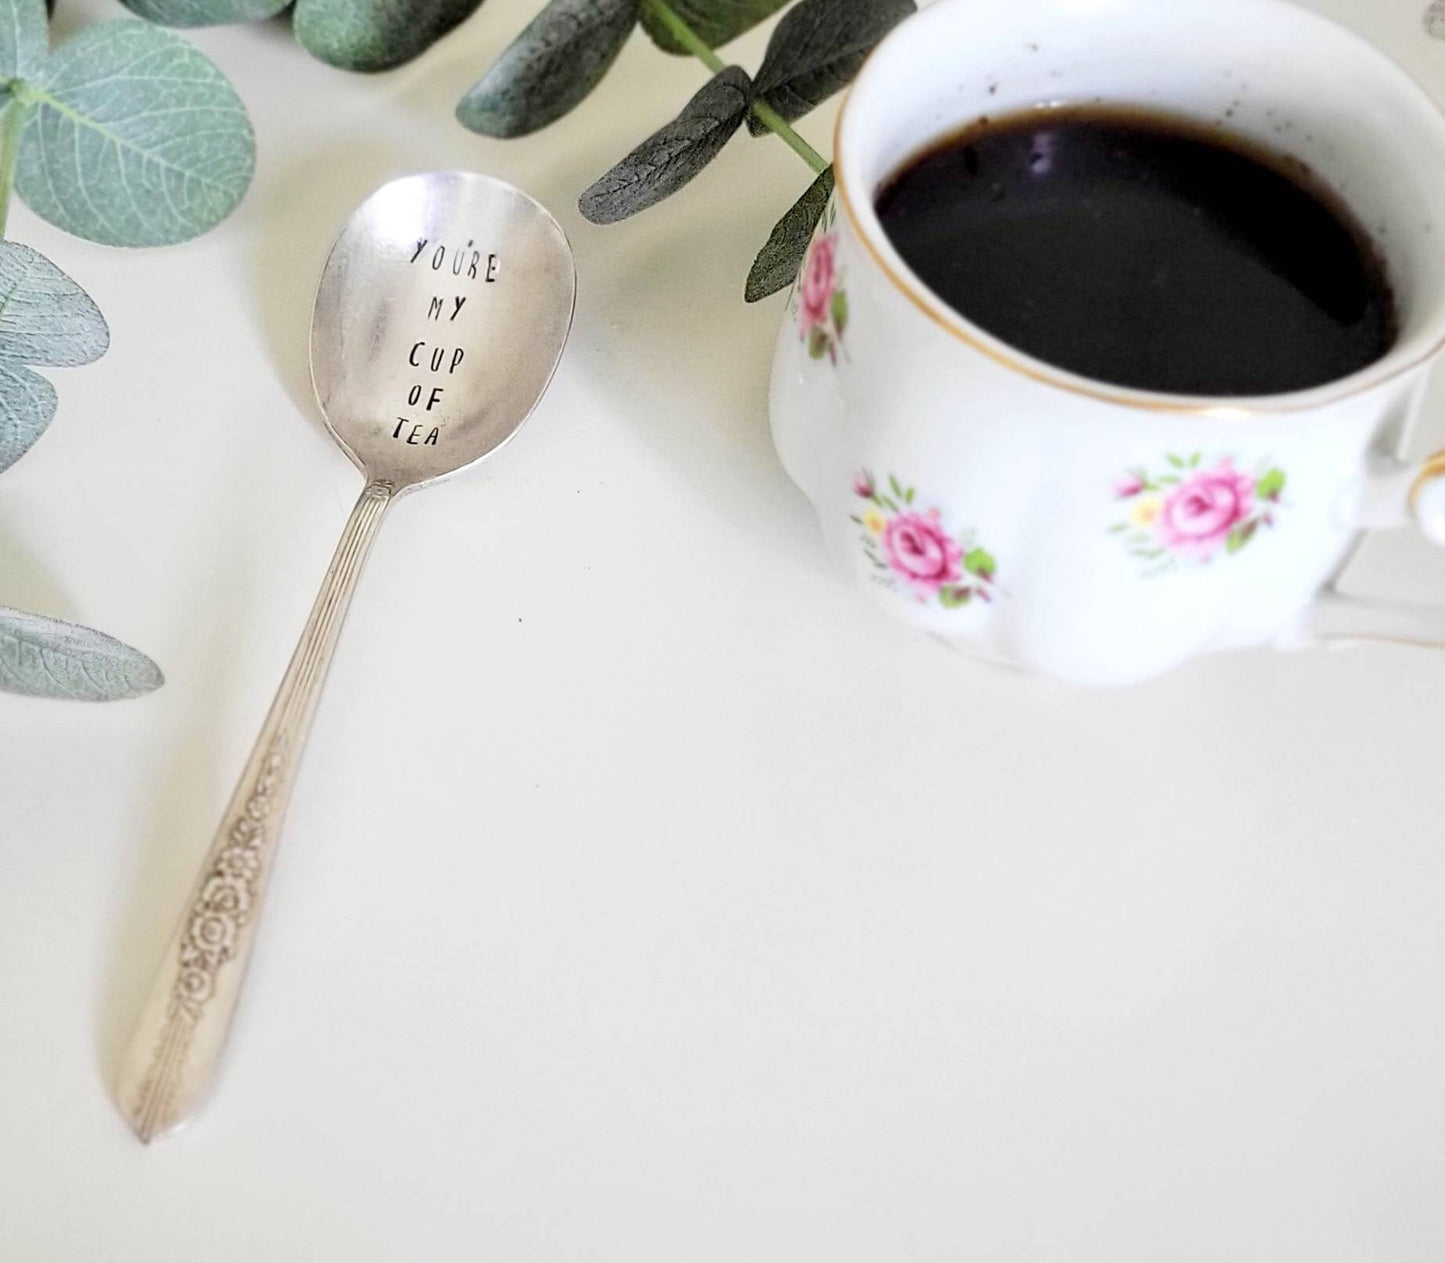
x,y
646,895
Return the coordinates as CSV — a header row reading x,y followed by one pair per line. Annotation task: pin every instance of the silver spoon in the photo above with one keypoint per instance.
x,y
440,319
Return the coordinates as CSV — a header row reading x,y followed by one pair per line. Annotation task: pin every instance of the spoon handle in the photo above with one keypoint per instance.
x,y
177,1044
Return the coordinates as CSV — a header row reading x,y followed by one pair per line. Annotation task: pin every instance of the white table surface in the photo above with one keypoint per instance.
x,y
647,896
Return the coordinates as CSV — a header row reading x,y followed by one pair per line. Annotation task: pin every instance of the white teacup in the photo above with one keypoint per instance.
x,y
1065,526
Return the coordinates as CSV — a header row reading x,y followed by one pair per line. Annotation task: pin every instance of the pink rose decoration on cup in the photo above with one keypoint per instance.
x,y
1200,512
1189,513
918,550
822,301
910,547
815,290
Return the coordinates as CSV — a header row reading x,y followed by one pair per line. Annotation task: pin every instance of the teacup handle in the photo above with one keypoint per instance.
x,y
1394,494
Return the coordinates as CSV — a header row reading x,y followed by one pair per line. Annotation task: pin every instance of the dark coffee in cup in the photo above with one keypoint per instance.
x,y
1144,250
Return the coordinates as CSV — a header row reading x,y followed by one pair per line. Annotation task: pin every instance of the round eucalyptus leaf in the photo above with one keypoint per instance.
x,y
205,12
24,39
45,317
550,67
375,34
136,139
44,657
27,406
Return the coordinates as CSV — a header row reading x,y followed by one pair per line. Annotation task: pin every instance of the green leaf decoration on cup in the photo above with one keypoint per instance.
x,y
375,35
127,135
816,50
44,657
550,67
674,155
1270,485
205,12
46,319
980,563
716,22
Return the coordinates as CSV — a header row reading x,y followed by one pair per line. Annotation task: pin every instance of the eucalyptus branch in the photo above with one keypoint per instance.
x,y
761,110
567,49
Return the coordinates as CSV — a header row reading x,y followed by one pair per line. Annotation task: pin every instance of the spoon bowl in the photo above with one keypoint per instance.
x,y
440,319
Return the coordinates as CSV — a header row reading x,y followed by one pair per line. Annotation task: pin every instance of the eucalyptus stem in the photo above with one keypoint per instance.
x,y
13,121
762,111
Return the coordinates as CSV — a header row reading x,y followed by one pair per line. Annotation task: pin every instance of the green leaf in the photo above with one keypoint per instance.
x,y
1241,535
817,343
1195,459
375,34
894,486
954,598
714,21
45,317
890,505
550,67
27,406
43,657
136,138
779,262
907,495
23,40
980,562
1270,486
816,50
205,12
839,308
671,157
1176,462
